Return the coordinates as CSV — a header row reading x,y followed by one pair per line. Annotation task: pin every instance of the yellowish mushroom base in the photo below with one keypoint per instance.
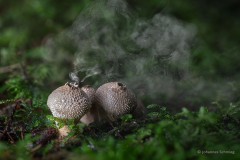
x,y
63,132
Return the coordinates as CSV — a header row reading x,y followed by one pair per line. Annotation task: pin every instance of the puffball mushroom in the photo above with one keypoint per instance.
x,y
90,91
68,102
115,99
90,116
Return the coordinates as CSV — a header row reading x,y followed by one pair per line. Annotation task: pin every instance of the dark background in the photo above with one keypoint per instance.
x,y
29,73
26,25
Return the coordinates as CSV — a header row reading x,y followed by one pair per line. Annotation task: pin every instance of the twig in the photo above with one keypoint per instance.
x,y
22,136
11,139
112,131
5,131
36,148
7,69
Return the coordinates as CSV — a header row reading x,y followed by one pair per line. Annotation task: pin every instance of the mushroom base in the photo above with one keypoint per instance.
x,y
63,132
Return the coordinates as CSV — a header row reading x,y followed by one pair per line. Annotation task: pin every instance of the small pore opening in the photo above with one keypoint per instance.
x,y
120,84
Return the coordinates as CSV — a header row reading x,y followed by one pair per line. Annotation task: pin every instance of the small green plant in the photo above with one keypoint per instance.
x,y
36,56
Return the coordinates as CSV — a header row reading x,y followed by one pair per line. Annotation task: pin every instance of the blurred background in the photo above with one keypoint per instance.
x,y
173,53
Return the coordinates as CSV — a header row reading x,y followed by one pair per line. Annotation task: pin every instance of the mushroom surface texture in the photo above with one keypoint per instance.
x,y
90,92
115,99
68,102
90,116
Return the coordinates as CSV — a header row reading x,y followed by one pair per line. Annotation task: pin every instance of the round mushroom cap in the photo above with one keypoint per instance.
x,y
90,91
68,102
116,99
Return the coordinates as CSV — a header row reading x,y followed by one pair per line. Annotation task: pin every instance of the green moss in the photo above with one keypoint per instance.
x,y
207,133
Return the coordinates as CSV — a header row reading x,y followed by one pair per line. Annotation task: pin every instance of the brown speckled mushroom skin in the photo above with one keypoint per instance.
x,y
90,91
90,116
115,99
68,102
